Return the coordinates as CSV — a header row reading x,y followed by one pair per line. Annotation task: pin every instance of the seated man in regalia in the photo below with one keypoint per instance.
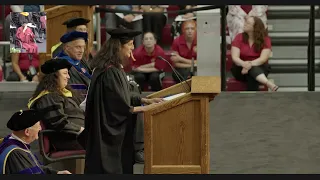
x,y
15,154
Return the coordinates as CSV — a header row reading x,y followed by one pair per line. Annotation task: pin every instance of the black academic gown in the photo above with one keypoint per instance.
x,y
77,77
108,125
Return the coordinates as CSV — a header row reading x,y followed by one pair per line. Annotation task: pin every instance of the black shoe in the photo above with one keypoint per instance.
x,y
139,157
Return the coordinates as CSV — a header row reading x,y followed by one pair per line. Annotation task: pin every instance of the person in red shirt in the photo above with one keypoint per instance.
x,y
25,67
184,49
250,52
147,67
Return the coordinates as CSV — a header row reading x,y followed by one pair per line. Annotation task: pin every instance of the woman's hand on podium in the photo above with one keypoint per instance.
x,y
147,107
150,106
151,101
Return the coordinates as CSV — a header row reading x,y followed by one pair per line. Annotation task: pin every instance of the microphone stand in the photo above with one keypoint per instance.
x,y
176,73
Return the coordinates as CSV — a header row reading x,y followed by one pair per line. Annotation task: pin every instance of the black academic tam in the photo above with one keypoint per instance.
x,y
24,119
74,22
54,65
123,33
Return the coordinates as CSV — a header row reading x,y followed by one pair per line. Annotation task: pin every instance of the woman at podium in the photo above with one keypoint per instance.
x,y
108,134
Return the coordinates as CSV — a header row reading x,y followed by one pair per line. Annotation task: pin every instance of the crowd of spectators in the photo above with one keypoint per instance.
x,y
147,69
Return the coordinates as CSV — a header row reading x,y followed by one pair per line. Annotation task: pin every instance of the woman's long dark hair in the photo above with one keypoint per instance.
x,y
259,33
109,54
49,83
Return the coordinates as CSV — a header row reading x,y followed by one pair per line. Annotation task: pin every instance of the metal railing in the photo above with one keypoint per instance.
x,y
98,29
3,44
311,50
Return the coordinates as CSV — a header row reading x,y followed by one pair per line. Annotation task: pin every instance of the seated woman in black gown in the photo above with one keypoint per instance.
x,y
66,115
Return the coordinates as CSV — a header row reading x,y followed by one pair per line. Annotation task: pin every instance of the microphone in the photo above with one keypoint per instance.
x,y
179,76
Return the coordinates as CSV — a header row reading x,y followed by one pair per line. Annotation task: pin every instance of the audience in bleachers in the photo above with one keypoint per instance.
x,y
237,14
130,21
176,24
25,67
27,8
61,105
154,22
250,52
146,67
184,49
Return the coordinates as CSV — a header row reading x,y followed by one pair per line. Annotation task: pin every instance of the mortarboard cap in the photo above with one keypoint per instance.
x,y
24,119
123,34
73,22
53,65
73,35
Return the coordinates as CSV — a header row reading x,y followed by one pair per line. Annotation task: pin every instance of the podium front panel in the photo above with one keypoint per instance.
x,y
176,139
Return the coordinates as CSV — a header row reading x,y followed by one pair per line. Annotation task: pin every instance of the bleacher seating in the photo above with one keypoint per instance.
x,y
228,61
167,39
167,81
173,8
234,85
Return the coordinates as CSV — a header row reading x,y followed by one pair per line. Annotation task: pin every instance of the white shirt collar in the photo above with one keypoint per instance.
x,y
17,138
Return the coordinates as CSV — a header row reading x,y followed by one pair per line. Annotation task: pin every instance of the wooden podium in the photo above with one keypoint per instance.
x,y
56,15
176,132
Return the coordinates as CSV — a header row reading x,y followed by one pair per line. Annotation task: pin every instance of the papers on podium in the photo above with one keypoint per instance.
x,y
168,98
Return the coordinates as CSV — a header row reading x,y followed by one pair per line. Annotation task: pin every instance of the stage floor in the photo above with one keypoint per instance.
x,y
249,132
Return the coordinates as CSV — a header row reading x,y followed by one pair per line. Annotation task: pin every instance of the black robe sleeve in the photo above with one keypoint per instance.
x,y
19,162
135,94
56,119
49,170
117,96
135,99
